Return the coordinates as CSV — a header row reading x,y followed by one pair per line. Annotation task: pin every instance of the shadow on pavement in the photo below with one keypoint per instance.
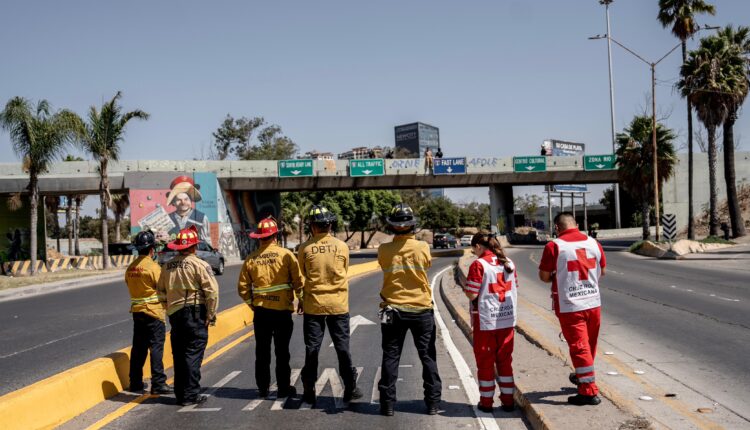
x,y
541,397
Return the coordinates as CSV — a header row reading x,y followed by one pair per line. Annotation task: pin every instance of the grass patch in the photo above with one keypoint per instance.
x,y
636,246
717,239
7,282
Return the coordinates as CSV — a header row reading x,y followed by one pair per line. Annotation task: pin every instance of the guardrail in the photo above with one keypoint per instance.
x,y
23,268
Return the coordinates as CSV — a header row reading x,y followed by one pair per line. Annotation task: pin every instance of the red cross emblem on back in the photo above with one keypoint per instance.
x,y
499,287
582,265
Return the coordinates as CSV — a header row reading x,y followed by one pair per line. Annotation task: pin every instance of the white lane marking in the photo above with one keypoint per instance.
x,y
355,322
278,404
706,294
375,390
329,376
256,402
63,338
405,365
210,392
486,421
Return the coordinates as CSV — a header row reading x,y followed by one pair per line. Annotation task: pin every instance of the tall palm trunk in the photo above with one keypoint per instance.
x,y
713,217
34,205
68,223
646,222
118,221
77,226
104,200
735,214
691,216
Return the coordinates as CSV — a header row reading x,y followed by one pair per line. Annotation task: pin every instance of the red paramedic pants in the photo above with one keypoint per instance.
x,y
493,350
581,331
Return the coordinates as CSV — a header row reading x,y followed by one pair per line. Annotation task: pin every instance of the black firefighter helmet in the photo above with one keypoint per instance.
x,y
401,217
320,215
143,240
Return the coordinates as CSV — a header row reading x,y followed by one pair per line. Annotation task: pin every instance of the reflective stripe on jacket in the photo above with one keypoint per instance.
x,y
324,262
270,277
187,280
404,262
141,277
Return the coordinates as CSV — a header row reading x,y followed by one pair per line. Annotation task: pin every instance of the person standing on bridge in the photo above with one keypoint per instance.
x,y
427,161
268,281
574,264
324,261
188,289
491,285
406,306
142,277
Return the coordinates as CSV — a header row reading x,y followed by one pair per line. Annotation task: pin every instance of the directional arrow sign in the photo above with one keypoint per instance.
x,y
295,168
529,164
355,322
599,162
669,226
367,167
449,166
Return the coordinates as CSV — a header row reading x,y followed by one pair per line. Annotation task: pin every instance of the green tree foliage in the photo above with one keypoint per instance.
x,y
714,77
635,161
438,214
628,206
252,139
680,16
528,205
101,136
474,215
38,136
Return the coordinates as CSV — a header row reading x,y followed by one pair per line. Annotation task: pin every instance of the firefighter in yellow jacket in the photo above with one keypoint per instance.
x,y
191,294
324,261
406,306
269,279
149,329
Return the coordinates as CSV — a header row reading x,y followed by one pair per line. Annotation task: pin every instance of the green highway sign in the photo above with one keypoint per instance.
x,y
367,167
599,162
532,163
295,168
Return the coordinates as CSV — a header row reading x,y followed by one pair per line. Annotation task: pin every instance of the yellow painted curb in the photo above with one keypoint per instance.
x,y
61,397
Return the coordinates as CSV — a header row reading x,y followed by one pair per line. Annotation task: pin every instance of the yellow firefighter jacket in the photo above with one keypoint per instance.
x,y
141,278
404,262
324,261
269,278
187,280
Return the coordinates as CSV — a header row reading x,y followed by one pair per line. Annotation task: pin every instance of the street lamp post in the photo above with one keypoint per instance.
x,y
606,4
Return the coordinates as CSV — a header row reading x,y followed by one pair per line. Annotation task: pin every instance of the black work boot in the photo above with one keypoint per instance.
x,y
262,393
200,399
581,400
289,391
162,389
433,408
386,409
309,397
487,409
352,394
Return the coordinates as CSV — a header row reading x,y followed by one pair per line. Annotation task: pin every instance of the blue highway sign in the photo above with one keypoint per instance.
x,y
449,166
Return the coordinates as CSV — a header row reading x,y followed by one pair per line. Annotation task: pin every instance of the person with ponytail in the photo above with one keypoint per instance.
x,y
491,286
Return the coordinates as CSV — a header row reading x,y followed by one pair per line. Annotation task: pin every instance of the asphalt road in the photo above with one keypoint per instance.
x,y
688,319
233,401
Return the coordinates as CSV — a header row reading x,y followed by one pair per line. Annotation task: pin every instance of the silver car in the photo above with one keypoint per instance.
x,y
204,251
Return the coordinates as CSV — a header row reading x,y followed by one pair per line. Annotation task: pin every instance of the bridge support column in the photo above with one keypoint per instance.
x,y
501,208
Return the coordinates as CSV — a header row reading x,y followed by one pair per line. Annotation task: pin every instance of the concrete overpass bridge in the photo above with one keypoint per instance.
x,y
497,173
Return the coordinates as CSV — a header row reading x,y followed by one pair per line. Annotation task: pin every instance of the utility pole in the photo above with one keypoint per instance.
x,y
606,4
653,144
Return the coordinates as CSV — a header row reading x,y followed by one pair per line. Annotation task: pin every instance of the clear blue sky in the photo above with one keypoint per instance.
x,y
497,77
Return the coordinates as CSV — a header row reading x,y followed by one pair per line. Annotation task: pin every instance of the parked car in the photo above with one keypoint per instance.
x,y
205,252
444,241
466,240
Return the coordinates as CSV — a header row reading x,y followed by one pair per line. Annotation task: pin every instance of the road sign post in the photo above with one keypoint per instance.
x,y
295,168
449,166
669,226
533,163
599,162
366,167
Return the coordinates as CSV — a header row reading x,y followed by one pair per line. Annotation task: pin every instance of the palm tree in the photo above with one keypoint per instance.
x,y
69,226
52,204
680,15
739,40
101,137
635,161
38,137
710,78
120,205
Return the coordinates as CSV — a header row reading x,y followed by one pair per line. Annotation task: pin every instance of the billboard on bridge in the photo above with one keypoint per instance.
x,y
561,148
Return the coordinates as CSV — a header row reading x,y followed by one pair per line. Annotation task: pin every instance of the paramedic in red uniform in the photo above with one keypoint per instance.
x,y
574,263
491,285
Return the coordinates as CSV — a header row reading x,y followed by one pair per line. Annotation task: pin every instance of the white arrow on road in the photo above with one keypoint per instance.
x,y
530,167
450,169
296,172
367,172
355,322
599,166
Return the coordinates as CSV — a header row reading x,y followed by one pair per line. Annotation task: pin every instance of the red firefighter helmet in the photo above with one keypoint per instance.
x,y
266,227
186,238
